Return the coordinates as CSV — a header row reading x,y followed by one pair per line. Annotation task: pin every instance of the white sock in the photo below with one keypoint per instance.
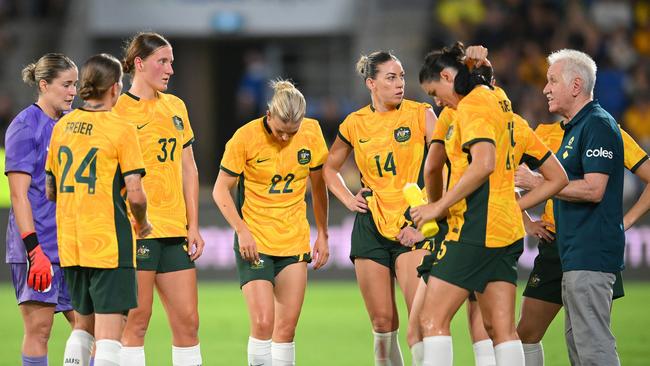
x,y
395,354
510,353
438,351
132,356
484,353
107,352
534,354
78,348
259,352
417,354
187,356
382,348
283,354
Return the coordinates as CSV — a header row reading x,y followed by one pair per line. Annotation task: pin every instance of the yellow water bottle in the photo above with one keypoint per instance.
x,y
414,197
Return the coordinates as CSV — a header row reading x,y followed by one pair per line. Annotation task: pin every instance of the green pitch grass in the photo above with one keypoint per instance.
x,y
333,329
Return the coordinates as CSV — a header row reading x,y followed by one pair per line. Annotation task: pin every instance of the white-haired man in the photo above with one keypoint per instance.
x,y
588,212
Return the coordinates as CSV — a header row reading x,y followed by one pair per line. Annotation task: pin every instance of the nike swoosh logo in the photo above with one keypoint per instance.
x,y
363,141
262,160
142,126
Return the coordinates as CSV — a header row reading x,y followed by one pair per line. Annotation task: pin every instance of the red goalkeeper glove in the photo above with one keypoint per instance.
x,y
39,272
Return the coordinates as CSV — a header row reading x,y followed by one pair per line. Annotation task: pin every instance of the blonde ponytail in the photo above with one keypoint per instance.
x,y
288,104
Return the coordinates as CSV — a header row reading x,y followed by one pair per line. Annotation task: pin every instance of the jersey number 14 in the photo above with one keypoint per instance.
x,y
389,165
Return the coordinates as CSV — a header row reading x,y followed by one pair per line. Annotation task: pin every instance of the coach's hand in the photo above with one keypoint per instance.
x,y
247,245
539,229
409,236
195,243
425,213
358,203
321,251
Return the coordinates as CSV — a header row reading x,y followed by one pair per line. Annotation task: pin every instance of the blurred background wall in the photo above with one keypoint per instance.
x,y
227,50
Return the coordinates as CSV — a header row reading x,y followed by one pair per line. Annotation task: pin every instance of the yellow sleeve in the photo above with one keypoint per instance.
x,y
634,155
320,149
345,132
422,116
442,125
129,153
535,152
475,125
188,133
234,157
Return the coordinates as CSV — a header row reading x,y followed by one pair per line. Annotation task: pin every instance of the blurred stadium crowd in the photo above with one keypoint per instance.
x,y
518,33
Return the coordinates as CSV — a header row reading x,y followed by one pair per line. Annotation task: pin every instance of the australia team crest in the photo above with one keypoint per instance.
x,y
450,131
142,252
178,122
304,156
402,134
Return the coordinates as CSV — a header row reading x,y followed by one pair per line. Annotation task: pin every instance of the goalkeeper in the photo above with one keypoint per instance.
x,y
31,232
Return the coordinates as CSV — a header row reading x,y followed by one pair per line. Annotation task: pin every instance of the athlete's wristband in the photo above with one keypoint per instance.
x,y
30,240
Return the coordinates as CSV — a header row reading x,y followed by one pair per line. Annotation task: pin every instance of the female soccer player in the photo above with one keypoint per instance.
x,y
31,232
485,236
529,149
389,138
166,257
93,156
270,159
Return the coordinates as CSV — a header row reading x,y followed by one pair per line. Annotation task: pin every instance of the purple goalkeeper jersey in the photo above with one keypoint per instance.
x,y
26,143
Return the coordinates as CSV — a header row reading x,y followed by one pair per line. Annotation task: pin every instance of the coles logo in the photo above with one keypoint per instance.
x,y
599,153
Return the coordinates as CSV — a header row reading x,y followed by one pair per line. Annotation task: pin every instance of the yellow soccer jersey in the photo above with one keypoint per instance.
x,y
163,129
89,155
490,216
529,148
389,150
552,134
273,182
445,119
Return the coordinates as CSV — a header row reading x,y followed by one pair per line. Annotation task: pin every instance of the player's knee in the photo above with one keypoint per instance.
x,y
528,334
429,325
501,333
140,315
39,331
487,325
382,323
190,321
262,324
284,333
137,323
413,334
